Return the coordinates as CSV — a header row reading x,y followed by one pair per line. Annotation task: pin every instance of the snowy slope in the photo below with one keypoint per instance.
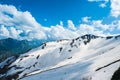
x,y
87,57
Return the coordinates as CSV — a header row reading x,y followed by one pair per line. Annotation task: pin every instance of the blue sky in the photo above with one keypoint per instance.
x,y
58,19
51,12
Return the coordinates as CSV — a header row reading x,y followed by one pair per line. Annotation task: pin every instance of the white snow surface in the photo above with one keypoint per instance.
x,y
70,60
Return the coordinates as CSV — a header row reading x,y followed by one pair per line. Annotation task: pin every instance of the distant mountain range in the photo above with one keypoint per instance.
x,y
87,57
12,47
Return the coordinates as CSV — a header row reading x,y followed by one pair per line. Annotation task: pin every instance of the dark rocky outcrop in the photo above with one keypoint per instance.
x,y
116,75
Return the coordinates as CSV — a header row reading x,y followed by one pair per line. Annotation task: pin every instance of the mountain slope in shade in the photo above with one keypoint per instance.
x,y
87,57
12,47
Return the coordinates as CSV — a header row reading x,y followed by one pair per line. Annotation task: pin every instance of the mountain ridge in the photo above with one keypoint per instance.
x,y
89,53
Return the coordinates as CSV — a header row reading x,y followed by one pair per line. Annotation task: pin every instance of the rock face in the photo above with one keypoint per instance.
x,y
116,75
87,57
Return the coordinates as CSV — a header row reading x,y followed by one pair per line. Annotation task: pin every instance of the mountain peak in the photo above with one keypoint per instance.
x,y
86,57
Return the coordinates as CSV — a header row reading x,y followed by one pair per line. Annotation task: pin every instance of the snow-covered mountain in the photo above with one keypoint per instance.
x,y
87,57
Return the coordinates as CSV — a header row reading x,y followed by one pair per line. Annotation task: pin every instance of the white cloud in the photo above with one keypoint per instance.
x,y
18,17
61,23
14,23
98,0
102,4
115,8
21,21
119,24
14,33
22,25
71,25
98,24
86,19
116,24
59,32
90,29
3,32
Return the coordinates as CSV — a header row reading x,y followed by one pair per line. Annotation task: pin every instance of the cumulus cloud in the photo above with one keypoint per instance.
x,y
14,33
61,23
22,25
115,8
94,0
71,25
116,24
98,24
89,29
102,4
19,21
114,5
16,18
3,32
119,25
59,32
86,19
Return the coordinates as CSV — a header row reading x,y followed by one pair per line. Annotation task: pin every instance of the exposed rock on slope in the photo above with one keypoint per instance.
x,y
87,57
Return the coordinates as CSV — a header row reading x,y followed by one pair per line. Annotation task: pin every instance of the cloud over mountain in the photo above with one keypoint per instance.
x,y
17,24
22,25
